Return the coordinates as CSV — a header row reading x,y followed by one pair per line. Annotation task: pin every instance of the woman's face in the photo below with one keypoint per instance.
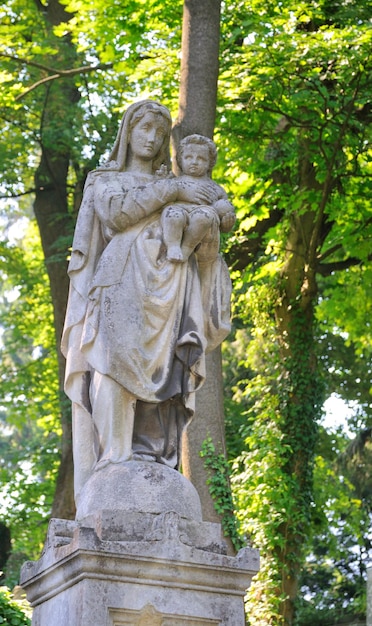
x,y
147,136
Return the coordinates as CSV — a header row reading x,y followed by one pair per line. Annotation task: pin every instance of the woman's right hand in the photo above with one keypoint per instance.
x,y
195,193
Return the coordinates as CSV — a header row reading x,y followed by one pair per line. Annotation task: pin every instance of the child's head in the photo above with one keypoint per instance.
x,y
207,148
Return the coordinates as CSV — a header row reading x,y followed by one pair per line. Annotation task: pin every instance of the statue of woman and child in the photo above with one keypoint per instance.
x,y
149,295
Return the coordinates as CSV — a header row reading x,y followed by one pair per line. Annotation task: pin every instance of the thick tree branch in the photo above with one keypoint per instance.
x,y
240,256
356,446
40,6
18,195
52,70
329,252
63,73
11,196
326,269
54,73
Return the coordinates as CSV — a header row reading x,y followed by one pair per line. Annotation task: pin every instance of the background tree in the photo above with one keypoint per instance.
x,y
333,579
197,114
56,125
293,131
302,87
50,106
30,429
51,139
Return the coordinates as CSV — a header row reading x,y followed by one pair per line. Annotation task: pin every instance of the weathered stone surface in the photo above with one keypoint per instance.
x,y
83,579
140,319
149,297
139,486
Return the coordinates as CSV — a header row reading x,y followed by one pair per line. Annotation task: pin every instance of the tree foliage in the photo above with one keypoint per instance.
x,y
11,612
293,129
333,579
299,99
29,426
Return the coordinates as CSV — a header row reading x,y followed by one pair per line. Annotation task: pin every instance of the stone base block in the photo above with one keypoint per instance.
x,y
122,568
139,486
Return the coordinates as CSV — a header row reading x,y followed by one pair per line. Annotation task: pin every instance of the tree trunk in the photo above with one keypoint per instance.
x,y
55,226
302,396
197,112
199,69
300,406
50,209
208,422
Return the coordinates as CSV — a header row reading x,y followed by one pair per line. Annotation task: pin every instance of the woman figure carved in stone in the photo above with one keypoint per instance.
x,y
137,325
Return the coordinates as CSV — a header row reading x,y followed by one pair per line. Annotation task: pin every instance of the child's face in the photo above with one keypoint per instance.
x,y
195,160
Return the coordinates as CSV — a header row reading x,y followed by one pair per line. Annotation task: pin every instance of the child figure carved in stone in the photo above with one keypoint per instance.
x,y
187,225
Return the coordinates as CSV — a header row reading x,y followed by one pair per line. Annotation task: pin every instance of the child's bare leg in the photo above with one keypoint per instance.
x,y
200,221
210,244
173,220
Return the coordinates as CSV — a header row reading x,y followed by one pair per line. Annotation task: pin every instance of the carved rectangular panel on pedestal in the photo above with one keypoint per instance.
x,y
150,617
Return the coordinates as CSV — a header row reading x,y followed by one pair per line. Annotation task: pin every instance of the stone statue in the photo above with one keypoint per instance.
x,y
139,320
185,226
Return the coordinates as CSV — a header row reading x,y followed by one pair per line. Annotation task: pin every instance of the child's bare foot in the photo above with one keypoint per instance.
x,y
174,254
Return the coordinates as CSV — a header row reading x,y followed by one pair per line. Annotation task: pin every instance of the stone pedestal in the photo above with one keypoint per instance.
x,y
139,568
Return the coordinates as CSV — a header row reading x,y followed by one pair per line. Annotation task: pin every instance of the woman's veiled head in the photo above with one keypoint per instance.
x,y
131,117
